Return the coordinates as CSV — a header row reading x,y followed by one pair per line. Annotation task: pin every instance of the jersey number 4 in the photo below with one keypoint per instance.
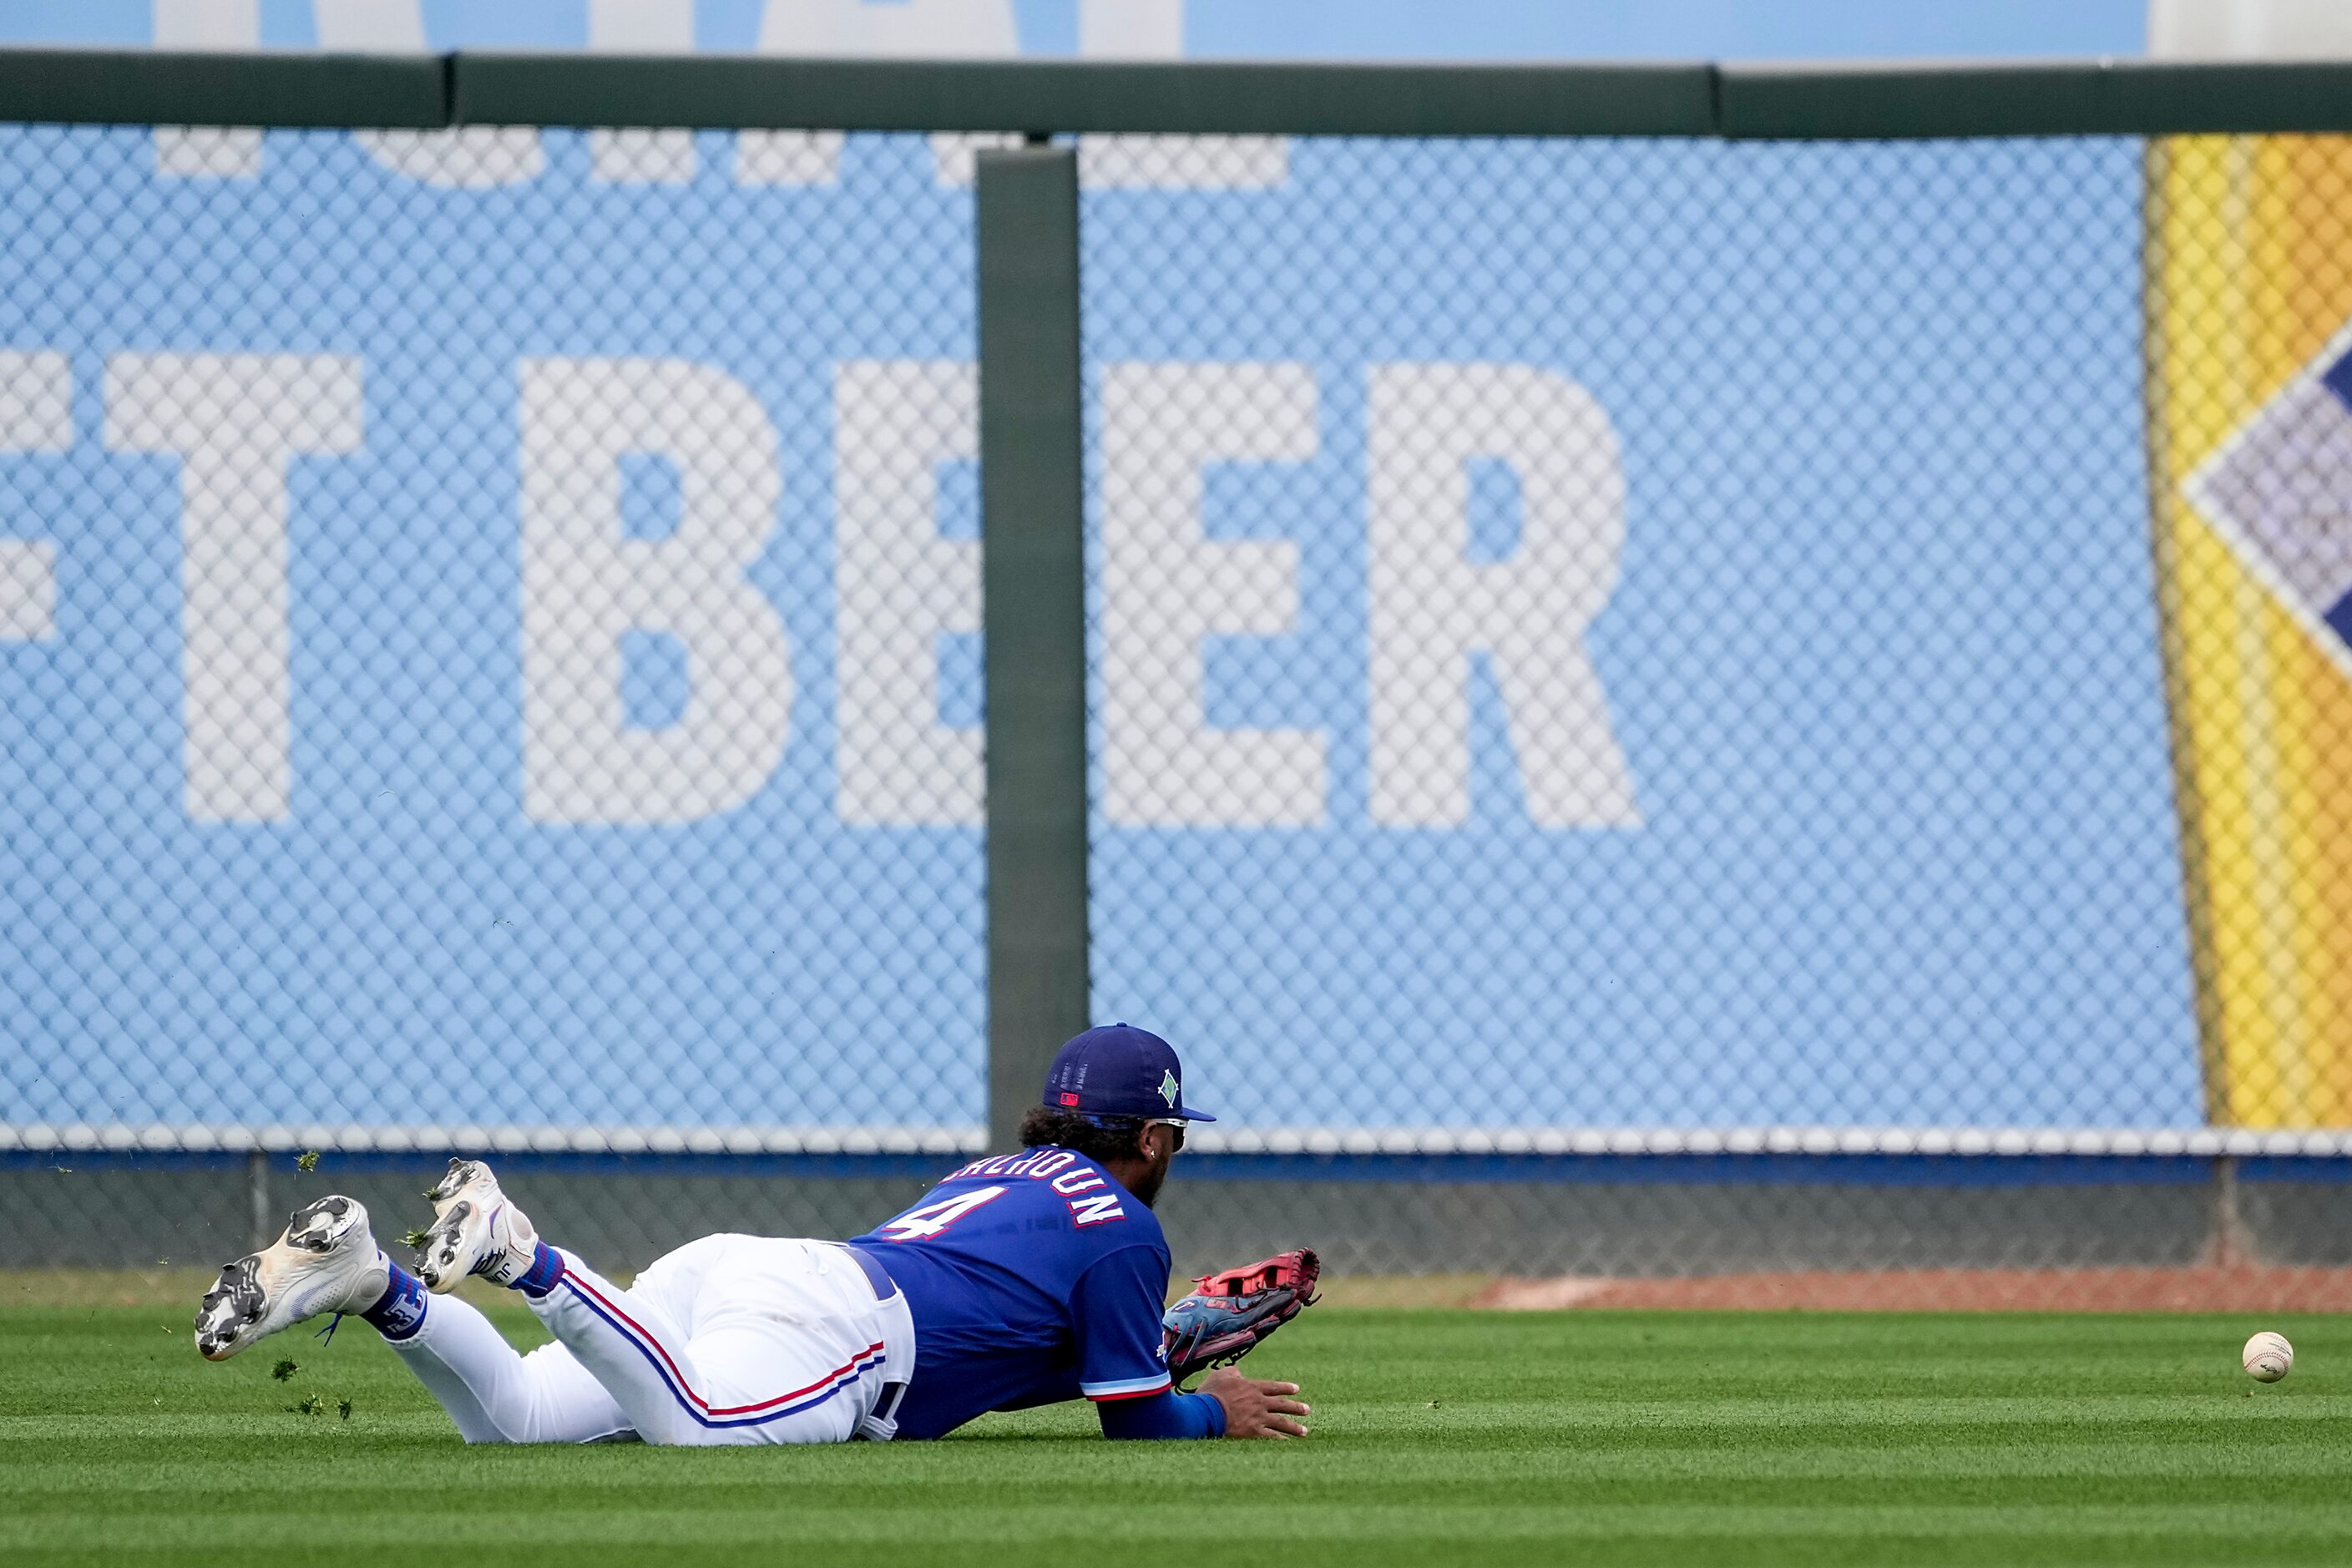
x,y
934,1219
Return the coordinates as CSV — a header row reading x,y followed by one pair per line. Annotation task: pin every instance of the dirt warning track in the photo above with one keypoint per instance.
x,y
2213,1287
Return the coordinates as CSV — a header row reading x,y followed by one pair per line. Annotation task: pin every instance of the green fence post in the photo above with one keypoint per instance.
x,y
1033,578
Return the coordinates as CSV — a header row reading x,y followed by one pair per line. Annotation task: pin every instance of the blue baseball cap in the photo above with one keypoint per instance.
x,y
1119,1070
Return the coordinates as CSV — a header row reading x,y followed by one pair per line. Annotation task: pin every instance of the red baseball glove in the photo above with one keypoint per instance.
x,y
1224,1320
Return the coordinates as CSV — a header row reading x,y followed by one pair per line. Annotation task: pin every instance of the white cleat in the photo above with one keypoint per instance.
x,y
475,1229
326,1262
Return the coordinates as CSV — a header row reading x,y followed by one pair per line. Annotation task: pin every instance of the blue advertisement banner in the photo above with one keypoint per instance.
x,y
1676,639
1586,634
422,708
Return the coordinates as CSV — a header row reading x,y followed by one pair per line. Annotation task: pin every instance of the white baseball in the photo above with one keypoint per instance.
x,y
2267,1357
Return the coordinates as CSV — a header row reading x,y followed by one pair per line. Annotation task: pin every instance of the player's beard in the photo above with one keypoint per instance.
x,y
1146,1186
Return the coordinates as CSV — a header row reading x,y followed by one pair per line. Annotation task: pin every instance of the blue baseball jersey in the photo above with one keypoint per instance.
x,y
1032,1278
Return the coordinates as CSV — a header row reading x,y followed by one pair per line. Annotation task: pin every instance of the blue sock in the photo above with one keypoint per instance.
x,y
546,1268
399,1312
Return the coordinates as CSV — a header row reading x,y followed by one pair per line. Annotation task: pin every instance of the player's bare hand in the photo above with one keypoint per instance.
x,y
1256,1406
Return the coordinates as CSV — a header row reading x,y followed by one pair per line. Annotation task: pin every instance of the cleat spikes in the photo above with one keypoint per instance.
x,y
443,1241
475,1230
317,1226
326,1261
457,1176
233,1303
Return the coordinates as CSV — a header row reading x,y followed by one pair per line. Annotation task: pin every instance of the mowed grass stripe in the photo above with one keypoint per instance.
x,y
1440,1437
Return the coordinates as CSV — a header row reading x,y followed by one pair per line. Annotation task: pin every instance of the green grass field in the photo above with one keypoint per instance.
x,y
1439,1436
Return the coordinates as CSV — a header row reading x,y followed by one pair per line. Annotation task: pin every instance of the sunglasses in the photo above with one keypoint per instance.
x,y
1169,1121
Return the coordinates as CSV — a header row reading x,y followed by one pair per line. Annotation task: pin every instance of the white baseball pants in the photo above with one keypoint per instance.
x,y
731,1339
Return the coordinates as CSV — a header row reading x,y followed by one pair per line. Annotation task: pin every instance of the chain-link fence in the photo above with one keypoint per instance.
x,y
1638,635
495,653
1637,729
1623,651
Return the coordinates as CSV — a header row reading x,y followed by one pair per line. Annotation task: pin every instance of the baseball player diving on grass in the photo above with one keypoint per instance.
x,y
1021,1279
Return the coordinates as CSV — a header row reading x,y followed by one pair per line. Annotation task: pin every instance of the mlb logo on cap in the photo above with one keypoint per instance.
x,y
1119,1070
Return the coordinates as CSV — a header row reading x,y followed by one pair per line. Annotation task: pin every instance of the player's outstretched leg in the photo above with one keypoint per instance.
x,y
497,1396
477,1229
773,1377
327,1261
